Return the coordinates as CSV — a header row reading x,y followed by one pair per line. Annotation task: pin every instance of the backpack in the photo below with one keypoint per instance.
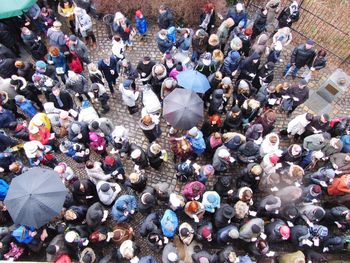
x,y
287,104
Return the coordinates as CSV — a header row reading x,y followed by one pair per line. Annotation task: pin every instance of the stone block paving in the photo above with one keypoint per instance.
x,y
120,116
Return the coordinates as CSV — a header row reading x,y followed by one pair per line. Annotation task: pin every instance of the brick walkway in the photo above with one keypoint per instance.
x,y
120,116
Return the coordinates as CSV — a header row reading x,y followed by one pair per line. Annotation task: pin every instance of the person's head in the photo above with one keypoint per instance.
x,y
206,233
52,249
92,67
73,39
54,51
193,207
208,7
89,164
239,7
218,55
309,44
147,120
325,118
247,195
15,167
138,13
302,83
162,9
322,53
19,64
255,229
347,157
70,215
117,37
264,11
218,75
56,91
146,60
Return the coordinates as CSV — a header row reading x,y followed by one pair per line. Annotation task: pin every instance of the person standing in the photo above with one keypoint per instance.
x,y
108,68
289,15
83,24
165,18
141,24
56,37
66,9
303,55
79,48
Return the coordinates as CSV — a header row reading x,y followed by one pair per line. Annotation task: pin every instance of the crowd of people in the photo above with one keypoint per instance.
x,y
248,189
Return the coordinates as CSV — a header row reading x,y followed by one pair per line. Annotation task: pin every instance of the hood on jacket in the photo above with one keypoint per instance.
x,y
262,40
159,71
217,94
234,56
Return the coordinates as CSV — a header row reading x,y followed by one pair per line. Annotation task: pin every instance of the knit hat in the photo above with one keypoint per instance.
x,y
296,149
40,64
319,213
213,40
256,229
193,132
243,84
70,236
239,6
109,160
256,170
248,31
211,198
223,153
134,177
236,43
127,83
274,159
228,212
105,187
316,189
155,148
285,232
75,128
233,233
135,154
93,136
19,98
310,42
185,232
138,13
207,59
200,32
147,198
73,38
206,232
57,24
226,81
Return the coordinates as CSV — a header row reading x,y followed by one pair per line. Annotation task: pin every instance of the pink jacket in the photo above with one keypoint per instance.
x,y
190,193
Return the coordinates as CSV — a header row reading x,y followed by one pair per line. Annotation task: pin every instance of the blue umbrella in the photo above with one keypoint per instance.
x,y
193,80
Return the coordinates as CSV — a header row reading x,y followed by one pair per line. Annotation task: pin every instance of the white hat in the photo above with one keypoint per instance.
x,y
70,236
118,15
223,153
30,148
135,154
37,121
193,132
172,257
239,7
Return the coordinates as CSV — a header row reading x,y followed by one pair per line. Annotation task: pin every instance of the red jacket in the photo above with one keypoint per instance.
x,y
42,136
75,65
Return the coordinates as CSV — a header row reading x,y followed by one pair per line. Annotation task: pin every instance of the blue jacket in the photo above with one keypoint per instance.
x,y
59,61
198,143
238,17
141,25
169,223
124,203
21,234
164,45
346,143
185,43
231,63
27,107
6,117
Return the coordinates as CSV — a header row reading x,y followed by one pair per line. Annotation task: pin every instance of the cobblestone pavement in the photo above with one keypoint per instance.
x,y
120,116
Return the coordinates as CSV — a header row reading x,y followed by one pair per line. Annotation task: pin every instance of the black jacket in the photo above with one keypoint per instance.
x,y
7,68
165,20
65,98
302,57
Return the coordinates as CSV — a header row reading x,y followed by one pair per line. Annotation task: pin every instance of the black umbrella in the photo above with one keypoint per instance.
x,y
35,197
183,109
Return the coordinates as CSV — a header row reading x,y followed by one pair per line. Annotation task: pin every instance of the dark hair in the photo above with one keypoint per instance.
x,y
51,250
322,53
89,164
62,2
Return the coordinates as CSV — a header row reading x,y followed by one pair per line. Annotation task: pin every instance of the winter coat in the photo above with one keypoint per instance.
x,y
62,249
128,96
222,220
223,185
302,57
169,223
80,85
298,125
299,233
329,149
164,45
272,230
107,68
85,197
248,152
211,205
83,22
123,32
339,186
96,173
188,192
199,43
169,248
247,67
147,208
338,161
297,256
308,212
246,233
107,198
267,147
58,61
197,257
288,13
84,130
65,98
231,63
337,243
81,50
197,143
223,236
150,224
125,203
129,72
260,45
56,38
138,186
216,102
165,20
142,161
314,142
7,68
323,174
141,25
220,164
27,107
238,16
346,143
152,131
259,24
94,215
301,94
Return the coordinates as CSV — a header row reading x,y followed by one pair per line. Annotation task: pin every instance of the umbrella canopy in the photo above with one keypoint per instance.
x,y
11,8
193,80
35,197
183,109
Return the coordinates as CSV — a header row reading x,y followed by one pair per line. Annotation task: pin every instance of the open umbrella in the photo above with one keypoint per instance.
x,y
13,8
35,197
193,80
183,109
